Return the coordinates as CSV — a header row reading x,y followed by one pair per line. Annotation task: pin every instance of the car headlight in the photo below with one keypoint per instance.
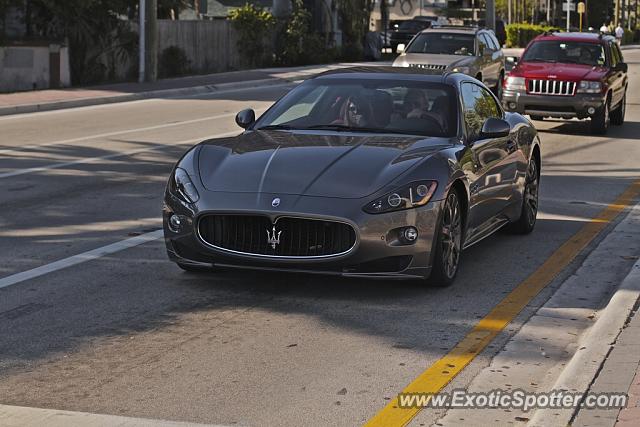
x,y
407,197
181,185
514,83
463,70
587,86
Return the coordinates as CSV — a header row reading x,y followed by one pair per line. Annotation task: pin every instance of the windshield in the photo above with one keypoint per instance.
x,y
565,52
378,106
413,26
444,44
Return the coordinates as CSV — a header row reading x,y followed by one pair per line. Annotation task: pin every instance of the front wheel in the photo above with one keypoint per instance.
x,y
617,115
600,121
527,220
448,243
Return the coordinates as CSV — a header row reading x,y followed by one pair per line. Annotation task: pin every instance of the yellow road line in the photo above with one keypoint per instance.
x,y
438,375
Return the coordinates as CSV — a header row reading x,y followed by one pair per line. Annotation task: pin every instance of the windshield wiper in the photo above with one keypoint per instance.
x,y
277,127
345,128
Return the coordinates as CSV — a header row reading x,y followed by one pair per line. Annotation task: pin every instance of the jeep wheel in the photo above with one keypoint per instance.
x,y
617,115
601,119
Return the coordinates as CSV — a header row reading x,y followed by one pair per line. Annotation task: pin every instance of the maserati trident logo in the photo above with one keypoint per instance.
x,y
275,202
273,237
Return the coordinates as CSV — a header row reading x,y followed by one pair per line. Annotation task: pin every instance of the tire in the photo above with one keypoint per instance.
x,y
538,118
527,221
601,120
448,243
195,268
617,115
497,91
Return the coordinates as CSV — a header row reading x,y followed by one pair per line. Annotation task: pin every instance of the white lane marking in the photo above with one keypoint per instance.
x,y
21,416
80,258
70,229
108,134
110,156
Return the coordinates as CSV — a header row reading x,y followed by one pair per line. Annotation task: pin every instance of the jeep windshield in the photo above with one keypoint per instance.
x,y
443,44
566,52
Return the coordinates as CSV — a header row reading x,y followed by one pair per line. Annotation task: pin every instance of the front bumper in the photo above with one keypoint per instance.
x,y
566,107
376,254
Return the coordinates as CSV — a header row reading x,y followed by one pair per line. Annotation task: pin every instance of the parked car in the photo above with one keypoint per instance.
x,y
470,50
373,172
570,75
404,31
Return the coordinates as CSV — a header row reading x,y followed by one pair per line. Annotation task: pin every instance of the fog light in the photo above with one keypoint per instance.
x,y
513,105
175,223
591,110
410,234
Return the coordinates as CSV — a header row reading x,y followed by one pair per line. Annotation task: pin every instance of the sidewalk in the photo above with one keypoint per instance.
x,y
620,373
55,99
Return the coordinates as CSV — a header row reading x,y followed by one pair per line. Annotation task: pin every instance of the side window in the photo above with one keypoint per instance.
x,y
619,52
494,40
614,54
482,44
478,105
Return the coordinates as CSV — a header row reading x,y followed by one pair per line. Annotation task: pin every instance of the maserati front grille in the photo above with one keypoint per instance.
x,y
287,237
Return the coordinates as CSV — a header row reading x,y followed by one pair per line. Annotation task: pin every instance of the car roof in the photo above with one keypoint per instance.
x,y
392,73
456,29
574,36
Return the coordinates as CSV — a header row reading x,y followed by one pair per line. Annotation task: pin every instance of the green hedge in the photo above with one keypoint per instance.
x,y
519,35
628,37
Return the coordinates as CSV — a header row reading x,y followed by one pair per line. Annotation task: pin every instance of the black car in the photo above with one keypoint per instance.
x,y
366,172
404,31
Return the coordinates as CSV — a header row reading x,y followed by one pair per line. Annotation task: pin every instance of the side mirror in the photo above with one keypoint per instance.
x,y
400,48
495,128
512,59
245,118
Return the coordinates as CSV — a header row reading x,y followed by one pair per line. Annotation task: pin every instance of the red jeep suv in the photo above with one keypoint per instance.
x,y
567,75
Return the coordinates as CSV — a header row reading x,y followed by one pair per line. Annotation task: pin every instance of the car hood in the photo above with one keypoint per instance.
x,y
433,59
571,72
342,165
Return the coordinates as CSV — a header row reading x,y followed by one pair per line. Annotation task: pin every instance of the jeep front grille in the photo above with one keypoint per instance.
x,y
551,87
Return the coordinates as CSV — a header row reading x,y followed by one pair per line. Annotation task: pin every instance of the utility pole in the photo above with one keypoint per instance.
x,y
151,42
509,11
616,14
548,12
490,14
569,14
141,42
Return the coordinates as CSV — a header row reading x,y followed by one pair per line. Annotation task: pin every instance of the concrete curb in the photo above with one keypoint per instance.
x,y
595,345
127,97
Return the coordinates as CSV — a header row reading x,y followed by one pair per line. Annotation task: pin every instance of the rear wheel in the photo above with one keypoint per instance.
x,y
527,220
617,115
600,121
448,243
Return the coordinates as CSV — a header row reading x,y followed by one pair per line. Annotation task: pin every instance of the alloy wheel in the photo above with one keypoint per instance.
x,y
451,235
531,192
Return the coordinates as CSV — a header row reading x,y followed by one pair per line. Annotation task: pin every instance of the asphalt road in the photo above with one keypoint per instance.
x,y
128,333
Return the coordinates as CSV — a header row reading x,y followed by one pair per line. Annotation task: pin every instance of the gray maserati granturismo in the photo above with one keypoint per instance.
x,y
363,172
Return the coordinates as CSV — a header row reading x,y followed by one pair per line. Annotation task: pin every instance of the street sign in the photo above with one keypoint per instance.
x,y
581,7
572,7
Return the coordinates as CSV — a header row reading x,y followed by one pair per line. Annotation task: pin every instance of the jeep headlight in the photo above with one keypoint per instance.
x,y
588,86
514,83
407,197
181,186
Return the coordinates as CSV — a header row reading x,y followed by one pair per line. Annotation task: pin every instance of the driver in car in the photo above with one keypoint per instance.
x,y
355,112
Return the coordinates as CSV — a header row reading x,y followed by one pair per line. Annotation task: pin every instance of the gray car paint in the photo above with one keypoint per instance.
x,y
234,175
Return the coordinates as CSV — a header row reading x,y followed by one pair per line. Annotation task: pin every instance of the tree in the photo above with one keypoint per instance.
x,y
354,16
98,38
